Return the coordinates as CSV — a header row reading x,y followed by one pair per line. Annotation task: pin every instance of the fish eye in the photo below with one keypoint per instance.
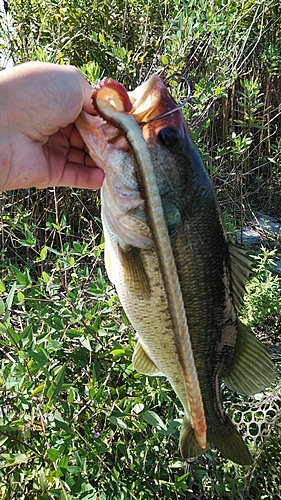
x,y
168,136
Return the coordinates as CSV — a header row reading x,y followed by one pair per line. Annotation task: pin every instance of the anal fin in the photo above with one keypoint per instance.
x,y
189,446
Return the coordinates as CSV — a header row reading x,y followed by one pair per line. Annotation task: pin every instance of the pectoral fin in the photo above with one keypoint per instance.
x,y
108,263
251,369
142,362
134,275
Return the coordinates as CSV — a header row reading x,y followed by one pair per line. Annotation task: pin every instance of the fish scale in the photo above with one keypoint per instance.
x,y
211,272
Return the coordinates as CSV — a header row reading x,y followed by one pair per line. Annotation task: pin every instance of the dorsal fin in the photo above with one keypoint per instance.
x,y
240,267
251,369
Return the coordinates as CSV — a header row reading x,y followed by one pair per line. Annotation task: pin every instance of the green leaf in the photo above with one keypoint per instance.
x,y
61,424
41,357
45,277
86,343
53,454
150,417
71,395
22,278
21,296
100,280
43,253
55,322
118,422
10,297
2,307
117,352
38,389
27,243
73,469
116,473
28,279
4,326
53,250
63,463
56,385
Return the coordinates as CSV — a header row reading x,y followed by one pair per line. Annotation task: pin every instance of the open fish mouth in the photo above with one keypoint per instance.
x,y
146,103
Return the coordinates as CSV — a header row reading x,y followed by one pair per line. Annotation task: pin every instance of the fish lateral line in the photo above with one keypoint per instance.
x,y
118,116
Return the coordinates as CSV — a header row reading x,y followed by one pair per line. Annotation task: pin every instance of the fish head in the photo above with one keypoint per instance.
x,y
170,148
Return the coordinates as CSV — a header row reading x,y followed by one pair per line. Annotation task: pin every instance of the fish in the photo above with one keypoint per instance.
x,y
206,273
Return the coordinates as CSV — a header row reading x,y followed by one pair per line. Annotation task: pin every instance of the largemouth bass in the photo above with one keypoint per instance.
x,y
211,273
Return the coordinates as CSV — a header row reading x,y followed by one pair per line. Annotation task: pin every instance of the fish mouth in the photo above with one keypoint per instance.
x,y
148,101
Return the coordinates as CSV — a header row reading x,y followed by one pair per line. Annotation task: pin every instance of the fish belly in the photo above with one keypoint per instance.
x,y
144,300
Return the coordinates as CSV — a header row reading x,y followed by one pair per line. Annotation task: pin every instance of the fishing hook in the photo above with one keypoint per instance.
x,y
175,76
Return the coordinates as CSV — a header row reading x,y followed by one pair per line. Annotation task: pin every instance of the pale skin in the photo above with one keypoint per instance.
x,y
39,143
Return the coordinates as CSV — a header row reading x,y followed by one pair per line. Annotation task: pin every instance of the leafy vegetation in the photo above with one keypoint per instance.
x,y
76,421
263,298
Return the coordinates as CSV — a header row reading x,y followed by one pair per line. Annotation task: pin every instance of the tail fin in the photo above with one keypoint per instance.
x,y
225,439
229,442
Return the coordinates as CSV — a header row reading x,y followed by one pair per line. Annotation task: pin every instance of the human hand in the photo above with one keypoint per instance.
x,y
40,145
